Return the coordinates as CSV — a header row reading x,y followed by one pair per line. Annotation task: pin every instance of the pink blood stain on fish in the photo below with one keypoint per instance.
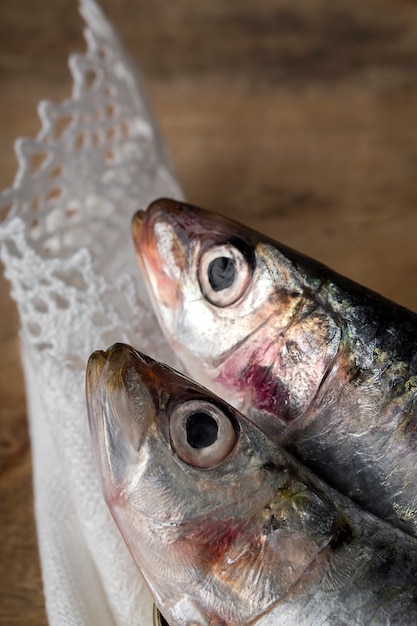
x,y
263,378
259,384
213,539
268,392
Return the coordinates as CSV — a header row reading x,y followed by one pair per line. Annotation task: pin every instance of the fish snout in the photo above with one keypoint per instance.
x,y
161,251
120,410
95,365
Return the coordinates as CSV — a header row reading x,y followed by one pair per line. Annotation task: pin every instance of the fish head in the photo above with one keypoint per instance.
x,y
240,312
207,268
221,523
202,274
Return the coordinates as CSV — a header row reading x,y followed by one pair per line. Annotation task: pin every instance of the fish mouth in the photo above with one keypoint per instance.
x,y
95,365
160,251
118,422
104,366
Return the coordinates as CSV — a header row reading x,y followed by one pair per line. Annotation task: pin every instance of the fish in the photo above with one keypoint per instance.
x,y
226,527
326,367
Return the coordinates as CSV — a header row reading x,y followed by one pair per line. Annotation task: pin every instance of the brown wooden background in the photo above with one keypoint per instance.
x,y
297,118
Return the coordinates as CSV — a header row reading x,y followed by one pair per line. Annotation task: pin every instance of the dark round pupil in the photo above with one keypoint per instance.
x,y
201,430
221,273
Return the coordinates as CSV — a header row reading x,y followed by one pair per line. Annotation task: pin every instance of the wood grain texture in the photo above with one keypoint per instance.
x,y
296,118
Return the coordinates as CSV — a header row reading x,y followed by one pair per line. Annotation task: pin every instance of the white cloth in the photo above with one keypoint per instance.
x,y
67,251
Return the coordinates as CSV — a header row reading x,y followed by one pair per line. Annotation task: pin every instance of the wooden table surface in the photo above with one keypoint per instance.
x,y
297,118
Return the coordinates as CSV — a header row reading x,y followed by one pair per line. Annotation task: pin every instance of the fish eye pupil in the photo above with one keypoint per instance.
x,y
201,430
221,273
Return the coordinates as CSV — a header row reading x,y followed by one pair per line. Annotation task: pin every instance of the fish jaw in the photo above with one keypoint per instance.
x,y
161,257
115,433
155,241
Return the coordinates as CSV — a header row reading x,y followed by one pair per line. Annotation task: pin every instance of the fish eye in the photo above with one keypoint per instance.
x,y
202,434
224,274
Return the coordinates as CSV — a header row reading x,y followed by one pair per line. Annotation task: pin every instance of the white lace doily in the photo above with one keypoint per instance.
x,y
66,245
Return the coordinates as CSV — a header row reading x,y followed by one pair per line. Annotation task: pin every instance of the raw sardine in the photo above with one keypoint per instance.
x,y
226,527
324,366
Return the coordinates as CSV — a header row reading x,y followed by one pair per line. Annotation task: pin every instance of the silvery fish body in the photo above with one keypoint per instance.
x,y
227,528
324,366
